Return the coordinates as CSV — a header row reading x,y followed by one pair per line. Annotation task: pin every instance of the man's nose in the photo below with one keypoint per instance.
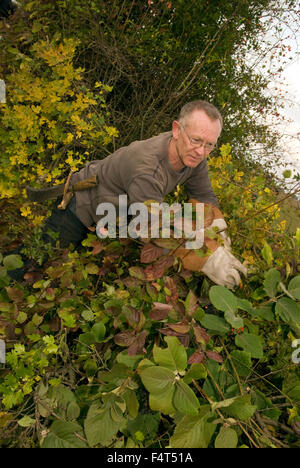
x,y
201,151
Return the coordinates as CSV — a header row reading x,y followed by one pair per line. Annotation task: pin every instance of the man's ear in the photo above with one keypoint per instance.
x,y
175,129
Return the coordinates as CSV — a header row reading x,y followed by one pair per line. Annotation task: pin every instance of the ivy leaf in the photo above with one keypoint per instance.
x,y
173,357
272,279
251,344
185,399
227,438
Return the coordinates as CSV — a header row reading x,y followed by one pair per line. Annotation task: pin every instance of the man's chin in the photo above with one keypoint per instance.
x,y
193,162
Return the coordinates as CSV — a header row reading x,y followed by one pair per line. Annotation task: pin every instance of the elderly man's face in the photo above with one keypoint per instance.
x,y
196,138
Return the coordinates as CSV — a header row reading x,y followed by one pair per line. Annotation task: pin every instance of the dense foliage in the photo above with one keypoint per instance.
x,y
116,345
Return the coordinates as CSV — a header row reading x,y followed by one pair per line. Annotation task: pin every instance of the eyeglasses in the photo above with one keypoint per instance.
x,y
199,143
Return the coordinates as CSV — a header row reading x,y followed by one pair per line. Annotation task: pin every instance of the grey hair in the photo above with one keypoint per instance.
x,y
210,110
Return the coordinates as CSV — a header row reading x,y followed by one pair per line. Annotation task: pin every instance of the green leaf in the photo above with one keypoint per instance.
x,y
131,403
227,438
163,402
196,372
272,279
241,408
194,431
26,421
98,331
265,312
12,262
185,399
215,323
235,320
174,357
64,435
297,237
288,310
287,173
73,411
242,362
92,269
267,254
251,344
99,426
223,299
157,379
294,287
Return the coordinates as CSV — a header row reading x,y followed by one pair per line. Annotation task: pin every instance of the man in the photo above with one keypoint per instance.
x,y
149,170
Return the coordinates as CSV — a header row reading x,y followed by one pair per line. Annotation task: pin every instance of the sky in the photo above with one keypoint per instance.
x,y
289,82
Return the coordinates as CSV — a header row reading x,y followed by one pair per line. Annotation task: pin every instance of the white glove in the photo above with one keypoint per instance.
x,y
221,224
222,268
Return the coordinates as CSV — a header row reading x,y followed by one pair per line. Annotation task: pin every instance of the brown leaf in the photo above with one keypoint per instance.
x,y
168,243
131,282
137,346
184,339
191,304
197,357
172,287
201,335
97,247
157,270
138,273
159,311
214,356
125,338
181,328
150,252
15,294
135,318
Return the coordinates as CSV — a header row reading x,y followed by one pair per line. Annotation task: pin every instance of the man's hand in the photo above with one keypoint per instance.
x,y
223,268
221,224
